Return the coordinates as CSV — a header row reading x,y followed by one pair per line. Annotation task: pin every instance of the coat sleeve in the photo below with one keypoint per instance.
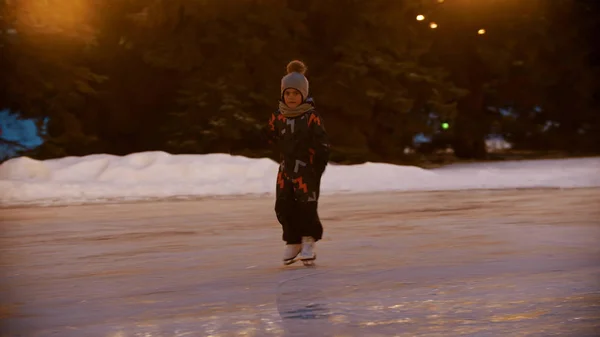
x,y
270,132
321,145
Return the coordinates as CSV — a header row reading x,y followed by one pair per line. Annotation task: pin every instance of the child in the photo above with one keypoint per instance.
x,y
298,132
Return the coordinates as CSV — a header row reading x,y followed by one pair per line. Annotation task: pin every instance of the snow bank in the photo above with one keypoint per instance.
x,y
151,175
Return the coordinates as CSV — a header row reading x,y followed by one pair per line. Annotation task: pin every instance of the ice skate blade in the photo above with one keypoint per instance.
x,y
307,262
290,262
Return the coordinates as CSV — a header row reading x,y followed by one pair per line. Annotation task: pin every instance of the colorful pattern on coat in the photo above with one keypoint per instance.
x,y
304,150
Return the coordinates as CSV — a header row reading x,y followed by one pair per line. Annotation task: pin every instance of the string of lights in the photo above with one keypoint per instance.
x,y
434,25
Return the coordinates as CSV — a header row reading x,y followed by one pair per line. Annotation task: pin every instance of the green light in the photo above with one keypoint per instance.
x,y
445,126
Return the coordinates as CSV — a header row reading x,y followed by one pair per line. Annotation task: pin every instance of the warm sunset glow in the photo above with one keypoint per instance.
x,y
54,16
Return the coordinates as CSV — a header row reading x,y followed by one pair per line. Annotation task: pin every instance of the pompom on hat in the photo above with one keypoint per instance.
x,y
295,78
296,66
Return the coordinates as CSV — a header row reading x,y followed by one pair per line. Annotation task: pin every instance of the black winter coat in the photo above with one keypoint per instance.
x,y
302,142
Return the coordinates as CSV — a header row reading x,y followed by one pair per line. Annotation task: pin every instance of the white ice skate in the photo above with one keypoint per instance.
x,y
291,253
307,255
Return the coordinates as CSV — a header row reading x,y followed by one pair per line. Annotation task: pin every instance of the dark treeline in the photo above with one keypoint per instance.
x,y
202,76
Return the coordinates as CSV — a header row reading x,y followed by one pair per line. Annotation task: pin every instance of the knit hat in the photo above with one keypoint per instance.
x,y
295,79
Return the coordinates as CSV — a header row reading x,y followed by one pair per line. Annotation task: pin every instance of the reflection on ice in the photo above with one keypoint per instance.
x,y
393,321
311,311
321,305
375,306
132,278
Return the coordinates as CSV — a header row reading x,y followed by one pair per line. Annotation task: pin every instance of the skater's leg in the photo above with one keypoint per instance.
x,y
310,228
308,220
307,191
285,209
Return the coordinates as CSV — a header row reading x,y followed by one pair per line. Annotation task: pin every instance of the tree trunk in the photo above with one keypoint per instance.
x,y
471,127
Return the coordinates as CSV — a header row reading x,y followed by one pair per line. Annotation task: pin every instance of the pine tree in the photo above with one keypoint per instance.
x,y
44,48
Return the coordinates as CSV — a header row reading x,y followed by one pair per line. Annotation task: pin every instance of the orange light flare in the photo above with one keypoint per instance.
x,y
480,14
54,16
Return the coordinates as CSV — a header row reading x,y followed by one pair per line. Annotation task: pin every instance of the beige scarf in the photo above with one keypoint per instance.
x,y
288,112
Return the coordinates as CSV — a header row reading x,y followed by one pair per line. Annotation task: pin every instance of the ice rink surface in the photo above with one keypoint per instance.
x,y
457,263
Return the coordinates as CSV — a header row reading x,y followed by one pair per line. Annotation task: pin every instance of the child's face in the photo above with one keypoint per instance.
x,y
292,98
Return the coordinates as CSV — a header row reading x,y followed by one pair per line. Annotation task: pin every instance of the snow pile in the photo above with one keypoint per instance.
x,y
151,175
